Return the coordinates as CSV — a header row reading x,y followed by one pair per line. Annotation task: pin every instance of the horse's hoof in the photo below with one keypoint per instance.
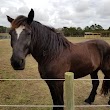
x,y
88,101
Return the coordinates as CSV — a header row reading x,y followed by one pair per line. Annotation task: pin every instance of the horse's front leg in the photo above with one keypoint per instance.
x,y
56,90
95,84
109,101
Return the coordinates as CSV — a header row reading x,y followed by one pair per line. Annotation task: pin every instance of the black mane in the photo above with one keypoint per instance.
x,y
47,40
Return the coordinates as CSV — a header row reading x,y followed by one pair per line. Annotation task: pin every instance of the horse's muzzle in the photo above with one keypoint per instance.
x,y
17,64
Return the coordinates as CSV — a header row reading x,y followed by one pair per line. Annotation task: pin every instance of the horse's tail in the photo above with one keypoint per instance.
x,y
105,86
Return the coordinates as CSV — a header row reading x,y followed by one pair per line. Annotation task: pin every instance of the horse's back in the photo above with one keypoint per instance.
x,y
86,57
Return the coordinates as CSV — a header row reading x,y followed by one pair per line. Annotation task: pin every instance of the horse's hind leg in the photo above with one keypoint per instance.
x,y
106,84
95,84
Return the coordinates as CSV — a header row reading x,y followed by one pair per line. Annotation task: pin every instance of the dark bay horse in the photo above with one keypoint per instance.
x,y
56,55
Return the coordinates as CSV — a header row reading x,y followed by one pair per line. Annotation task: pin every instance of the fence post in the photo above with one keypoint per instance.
x,y
69,91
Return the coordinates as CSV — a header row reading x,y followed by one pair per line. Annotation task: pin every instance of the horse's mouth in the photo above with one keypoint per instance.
x,y
18,65
18,68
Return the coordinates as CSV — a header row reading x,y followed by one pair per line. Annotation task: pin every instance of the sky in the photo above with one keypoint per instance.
x,y
59,13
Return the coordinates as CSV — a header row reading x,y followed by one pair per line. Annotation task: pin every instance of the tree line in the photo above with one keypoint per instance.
x,y
75,31
79,32
4,29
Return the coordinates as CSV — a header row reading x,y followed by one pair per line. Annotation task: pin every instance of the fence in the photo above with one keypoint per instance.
x,y
69,92
69,89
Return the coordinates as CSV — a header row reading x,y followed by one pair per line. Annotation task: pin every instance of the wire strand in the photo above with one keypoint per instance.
x,y
49,79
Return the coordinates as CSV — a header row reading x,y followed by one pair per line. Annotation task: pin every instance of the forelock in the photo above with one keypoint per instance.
x,y
19,21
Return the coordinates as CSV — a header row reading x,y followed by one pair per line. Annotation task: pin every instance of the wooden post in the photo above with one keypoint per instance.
x,y
69,91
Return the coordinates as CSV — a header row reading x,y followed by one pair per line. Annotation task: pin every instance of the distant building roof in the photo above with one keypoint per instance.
x,y
92,33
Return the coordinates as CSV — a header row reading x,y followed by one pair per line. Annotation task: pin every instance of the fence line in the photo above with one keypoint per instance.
x,y
29,106
49,79
90,106
69,92
46,106
31,79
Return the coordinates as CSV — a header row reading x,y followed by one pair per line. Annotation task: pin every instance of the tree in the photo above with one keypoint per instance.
x,y
80,32
96,28
72,31
99,28
2,29
109,29
65,30
87,29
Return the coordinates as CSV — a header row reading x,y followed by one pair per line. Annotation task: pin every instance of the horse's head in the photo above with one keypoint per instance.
x,y
20,39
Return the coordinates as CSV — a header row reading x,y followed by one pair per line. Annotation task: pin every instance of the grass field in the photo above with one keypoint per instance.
x,y
4,34
36,92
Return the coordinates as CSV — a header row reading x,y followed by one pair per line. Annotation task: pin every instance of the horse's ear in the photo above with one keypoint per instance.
x,y
30,17
10,19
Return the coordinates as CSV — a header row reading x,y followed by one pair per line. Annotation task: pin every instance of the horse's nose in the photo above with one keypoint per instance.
x,y
17,62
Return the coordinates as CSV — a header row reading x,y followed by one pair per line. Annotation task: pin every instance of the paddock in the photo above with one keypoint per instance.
x,y
34,92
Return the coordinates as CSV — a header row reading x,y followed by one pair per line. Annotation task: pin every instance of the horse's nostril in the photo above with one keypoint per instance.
x,y
17,63
21,62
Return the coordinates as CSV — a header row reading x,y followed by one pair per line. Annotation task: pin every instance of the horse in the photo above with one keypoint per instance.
x,y
56,55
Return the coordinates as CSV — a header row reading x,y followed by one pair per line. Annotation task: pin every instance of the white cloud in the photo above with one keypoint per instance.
x,y
104,8
59,13
82,6
4,9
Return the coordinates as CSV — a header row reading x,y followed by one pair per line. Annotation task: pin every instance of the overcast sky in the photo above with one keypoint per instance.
x,y
59,13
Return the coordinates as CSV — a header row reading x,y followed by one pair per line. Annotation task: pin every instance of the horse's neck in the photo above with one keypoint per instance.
x,y
47,44
39,47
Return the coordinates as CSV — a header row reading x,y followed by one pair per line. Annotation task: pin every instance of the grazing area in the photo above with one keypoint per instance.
x,y
4,36
36,92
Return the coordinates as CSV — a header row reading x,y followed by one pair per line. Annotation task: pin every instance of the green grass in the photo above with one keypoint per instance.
x,y
36,92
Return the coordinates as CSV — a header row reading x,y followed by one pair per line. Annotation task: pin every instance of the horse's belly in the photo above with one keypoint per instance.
x,y
83,67
81,72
